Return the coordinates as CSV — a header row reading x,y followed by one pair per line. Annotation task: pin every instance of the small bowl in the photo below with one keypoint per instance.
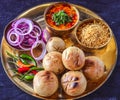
x,y
57,30
92,34
8,27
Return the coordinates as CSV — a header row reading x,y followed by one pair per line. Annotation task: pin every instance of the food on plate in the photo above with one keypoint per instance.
x,y
74,83
22,33
53,62
25,67
45,83
64,71
73,58
61,16
94,68
46,35
38,50
93,33
55,44
25,35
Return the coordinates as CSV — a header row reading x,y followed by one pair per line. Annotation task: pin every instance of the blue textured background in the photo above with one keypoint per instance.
x,y
109,10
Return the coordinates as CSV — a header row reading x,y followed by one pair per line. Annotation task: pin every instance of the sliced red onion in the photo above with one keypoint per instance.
x,y
18,38
36,31
43,50
24,48
13,35
23,24
45,35
13,23
23,34
27,43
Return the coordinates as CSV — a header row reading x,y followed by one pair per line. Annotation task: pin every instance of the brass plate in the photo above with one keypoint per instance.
x,y
107,54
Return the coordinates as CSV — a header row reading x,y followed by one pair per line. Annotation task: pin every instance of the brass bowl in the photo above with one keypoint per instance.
x,y
8,27
92,34
60,32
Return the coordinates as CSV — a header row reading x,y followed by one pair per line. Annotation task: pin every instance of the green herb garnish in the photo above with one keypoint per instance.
x,y
61,18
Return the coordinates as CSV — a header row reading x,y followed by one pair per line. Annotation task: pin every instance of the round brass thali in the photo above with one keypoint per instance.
x,y
108,54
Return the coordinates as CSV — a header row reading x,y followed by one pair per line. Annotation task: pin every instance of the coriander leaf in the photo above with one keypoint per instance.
x,y
61,18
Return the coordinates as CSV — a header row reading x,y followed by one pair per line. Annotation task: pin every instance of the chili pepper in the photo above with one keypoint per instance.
x,y
27,57
23,69
17,73
29,77
24,61
10,55
34,72
31,69
37,68
20,64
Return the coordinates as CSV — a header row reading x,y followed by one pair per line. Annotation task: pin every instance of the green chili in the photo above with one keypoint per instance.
x,y
29,77
26,57
26,78
31,69
24,61
12,56
17,74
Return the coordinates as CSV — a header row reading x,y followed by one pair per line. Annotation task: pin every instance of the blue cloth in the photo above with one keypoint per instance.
x,y
109,10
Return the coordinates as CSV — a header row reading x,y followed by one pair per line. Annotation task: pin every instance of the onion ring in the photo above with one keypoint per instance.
x,y
35,32
45,35
43,50
27,43
23,33
24,30
18,38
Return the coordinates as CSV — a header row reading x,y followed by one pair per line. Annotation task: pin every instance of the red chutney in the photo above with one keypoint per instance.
x,y
68,10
